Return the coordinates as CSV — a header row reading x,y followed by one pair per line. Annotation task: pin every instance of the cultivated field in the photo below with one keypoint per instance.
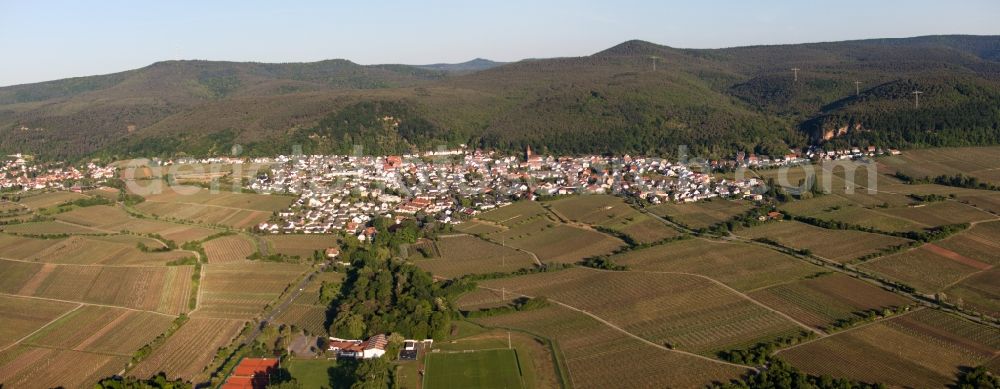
x,y
50,228
980,292
839,245
598,356
48,199
232,248
920,349
514,213
940,213
840,208
22,316
238,210
591,209
461,255
480,369
302,246
923,268
739,265
476,227
190,349
161,289
980,162
822,301
40,367
701,214
105,250
102,330
114,219
307,311
242,290
689,312
565,244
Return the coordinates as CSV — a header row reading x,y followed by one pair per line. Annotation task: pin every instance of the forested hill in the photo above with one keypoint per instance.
x,y
633,97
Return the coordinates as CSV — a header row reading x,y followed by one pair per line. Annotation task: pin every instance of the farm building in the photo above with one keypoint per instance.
x,y
374,347
251,373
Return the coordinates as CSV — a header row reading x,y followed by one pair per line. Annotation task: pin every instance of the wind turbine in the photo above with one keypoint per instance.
x,y
857,88
916,101
654,58
795,71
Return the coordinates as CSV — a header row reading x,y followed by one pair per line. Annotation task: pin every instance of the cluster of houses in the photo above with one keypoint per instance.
x,y
794,157
344,193
18,172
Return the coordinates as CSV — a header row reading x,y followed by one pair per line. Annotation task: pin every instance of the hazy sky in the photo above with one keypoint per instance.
x,y
44,40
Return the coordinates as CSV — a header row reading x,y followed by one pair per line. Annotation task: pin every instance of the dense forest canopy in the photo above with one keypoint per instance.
x,y
636,97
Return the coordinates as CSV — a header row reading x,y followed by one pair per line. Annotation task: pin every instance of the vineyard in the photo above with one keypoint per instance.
x,y
78,250
839,245
99,329
565,244
302,246
514,213
22,315
701,214
741,266
903,351
940,213
920,268
241,291
190,349
227,249
38,367
822,301
688,312
592,209
49,199
597,356
238,210
463,255
308,310
133,287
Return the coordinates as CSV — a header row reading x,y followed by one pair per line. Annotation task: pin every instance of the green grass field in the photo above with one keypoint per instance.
x,y
315,373
496,368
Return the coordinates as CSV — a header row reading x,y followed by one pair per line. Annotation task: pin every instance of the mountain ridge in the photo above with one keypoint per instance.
x,y
636,96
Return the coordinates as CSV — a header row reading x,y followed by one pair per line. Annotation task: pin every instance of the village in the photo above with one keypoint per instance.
x,y
18,173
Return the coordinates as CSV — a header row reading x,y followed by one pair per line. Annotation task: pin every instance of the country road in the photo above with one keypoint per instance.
x,y
283,305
